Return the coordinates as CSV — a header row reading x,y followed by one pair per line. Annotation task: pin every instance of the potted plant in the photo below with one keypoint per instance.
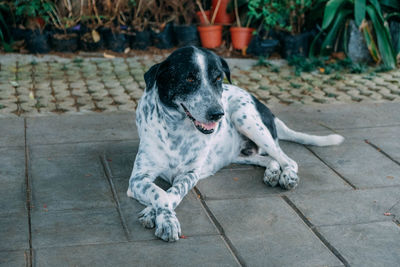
x,y
160,24
210,34
220,9
241,34
141,38
391,9
115,30
66,34
91,21
296,41
185,33
368,18
33,14
268,15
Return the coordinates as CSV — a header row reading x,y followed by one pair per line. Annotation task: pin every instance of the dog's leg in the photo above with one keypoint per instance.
x,y
182,184
272,168
159,211
253,128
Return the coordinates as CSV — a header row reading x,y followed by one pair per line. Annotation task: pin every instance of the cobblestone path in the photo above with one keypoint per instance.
x,y
32,85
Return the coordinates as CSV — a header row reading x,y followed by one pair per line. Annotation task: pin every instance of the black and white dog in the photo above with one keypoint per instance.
x,y
191,125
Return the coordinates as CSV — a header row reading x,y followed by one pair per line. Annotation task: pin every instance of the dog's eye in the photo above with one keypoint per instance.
x,y
190,78
218,79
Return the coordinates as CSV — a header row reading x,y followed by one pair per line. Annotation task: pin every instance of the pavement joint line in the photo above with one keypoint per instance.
x,y
85,142
335,171
107,171
381,151
220,229
28,196
315,231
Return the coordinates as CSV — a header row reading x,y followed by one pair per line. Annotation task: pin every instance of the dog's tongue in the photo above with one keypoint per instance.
x,y
207,126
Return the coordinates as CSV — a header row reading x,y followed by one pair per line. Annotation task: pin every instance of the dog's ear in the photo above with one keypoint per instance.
x,y
226,69
150,76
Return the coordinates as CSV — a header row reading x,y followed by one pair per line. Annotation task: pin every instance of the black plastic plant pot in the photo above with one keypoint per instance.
x,y
18,34
88,43
186,35
141,40
262,47
64,42
37,42
115,41
164,39
296,45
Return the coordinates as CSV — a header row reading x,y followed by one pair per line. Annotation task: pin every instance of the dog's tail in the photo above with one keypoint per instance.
x,y
285,133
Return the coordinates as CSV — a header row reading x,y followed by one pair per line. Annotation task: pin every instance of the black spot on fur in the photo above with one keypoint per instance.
x,y
266,116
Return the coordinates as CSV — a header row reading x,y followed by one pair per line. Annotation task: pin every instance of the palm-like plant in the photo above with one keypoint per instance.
x,y
368,17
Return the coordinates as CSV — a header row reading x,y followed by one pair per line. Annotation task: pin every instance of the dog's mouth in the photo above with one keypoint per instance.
x,y
205,128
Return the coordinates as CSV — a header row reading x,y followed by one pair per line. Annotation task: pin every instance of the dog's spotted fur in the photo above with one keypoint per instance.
x,y
191,125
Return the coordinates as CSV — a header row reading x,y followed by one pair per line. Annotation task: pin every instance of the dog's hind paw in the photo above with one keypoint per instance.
x,y
288,179
168,227
272,173
147,217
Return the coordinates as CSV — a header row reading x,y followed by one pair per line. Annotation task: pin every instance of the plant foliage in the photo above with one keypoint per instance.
x,y
368,17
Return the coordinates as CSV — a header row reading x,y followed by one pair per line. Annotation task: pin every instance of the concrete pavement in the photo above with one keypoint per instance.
x,y
63,180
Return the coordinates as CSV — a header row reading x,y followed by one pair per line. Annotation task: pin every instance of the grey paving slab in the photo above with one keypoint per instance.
x,y
192,217
14,258
60,183
81,128
347,207
12,180
238,183
66,228
12,132
193,251
371,244
360,163
314,174
303,117
387,139
90,149
267,232
14,231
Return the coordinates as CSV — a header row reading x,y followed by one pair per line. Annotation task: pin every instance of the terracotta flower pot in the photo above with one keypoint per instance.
x,y
221,16
241,37
201,18
210,35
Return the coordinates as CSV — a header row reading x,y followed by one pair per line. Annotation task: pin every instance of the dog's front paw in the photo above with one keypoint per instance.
x,y
288,179
272,172
168,227
147,217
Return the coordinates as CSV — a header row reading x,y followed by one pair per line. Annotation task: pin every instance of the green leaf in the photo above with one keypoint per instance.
x,y
395,4
369,39
338,23
331,9
383,37
359,11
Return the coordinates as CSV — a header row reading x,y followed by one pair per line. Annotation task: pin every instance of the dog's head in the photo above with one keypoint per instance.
x,y
190,81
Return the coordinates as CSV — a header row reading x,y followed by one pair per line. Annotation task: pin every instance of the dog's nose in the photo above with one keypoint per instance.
x,y
215,114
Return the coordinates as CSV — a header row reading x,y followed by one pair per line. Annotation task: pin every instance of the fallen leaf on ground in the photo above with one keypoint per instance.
x,y
183,237
389,177
387,214
15,84
88,175
236,179
108,55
